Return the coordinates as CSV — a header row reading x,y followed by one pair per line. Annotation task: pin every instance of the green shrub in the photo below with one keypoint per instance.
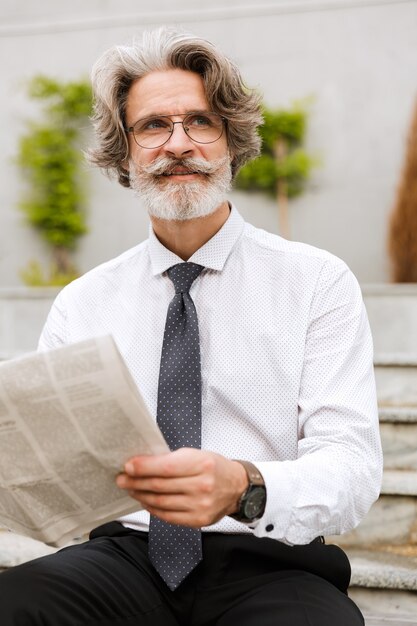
x,y
50,159
283,168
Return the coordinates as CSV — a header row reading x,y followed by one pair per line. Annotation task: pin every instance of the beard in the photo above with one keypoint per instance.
x,y
169,200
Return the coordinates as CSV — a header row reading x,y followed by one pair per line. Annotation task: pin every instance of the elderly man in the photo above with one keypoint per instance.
x,y
253,353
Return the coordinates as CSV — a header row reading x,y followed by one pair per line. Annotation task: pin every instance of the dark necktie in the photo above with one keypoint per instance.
x,y
175,550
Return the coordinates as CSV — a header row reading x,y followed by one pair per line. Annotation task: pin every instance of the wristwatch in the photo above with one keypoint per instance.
x,y
253,499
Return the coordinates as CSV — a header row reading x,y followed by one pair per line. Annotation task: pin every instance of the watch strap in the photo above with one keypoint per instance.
x,y
254,475
256,482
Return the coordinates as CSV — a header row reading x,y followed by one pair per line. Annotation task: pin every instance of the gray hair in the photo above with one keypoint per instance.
x,y
164,49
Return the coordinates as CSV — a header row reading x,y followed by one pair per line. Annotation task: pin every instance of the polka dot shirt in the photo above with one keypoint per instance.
x,y
286,365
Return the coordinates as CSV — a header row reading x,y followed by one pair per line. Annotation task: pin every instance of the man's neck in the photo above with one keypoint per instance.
x,y
185,237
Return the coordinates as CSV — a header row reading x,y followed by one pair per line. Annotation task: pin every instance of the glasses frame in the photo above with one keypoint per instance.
x,y
131,129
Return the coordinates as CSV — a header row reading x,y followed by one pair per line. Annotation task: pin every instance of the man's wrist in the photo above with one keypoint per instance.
x,y
242,483
252,501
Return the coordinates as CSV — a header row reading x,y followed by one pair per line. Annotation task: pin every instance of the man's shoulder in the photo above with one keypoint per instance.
x,y
111,272
294,251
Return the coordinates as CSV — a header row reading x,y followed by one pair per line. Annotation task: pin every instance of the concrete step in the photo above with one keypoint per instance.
x,y
383,620
16,549
372,620
398,427
7,356
384,586
392,520
396,379
398,414
399,482
23,311
392,311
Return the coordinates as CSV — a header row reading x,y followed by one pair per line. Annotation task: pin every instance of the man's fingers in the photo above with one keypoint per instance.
x,y
188,487
162,502
158,485
182,462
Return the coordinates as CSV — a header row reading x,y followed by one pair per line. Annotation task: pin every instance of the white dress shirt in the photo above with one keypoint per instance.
x,y
287,367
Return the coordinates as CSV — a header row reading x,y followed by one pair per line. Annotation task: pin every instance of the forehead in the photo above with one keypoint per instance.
x,y
168,92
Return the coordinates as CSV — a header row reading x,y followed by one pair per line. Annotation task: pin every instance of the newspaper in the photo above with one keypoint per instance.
x,y
69,420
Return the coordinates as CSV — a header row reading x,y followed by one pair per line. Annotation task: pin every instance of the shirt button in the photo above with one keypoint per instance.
x,y
269,528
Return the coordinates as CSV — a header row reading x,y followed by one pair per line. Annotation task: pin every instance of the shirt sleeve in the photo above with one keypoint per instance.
x,y
54,332
336,477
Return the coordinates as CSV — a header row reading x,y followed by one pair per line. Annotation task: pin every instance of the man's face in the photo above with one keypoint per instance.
x,y
181,179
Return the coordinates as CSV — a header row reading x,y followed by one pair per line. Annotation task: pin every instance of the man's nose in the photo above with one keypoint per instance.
x,y
179,143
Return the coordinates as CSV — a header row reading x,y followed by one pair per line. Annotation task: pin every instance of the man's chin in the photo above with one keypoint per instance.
x,y
178,183
178,213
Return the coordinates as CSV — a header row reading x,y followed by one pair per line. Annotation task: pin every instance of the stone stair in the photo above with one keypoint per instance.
x,y
383,548
372,620
396,380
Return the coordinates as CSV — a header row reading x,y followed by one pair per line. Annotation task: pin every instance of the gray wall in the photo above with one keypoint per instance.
x,y
356,58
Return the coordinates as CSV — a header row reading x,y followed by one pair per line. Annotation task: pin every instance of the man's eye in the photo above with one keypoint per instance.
x,y
201,121
153,124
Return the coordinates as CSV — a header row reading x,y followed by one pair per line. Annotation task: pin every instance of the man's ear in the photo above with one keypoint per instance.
x,y
124,172
126,165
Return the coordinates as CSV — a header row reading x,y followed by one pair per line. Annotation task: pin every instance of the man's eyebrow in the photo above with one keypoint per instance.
x,y
146,116
160,114
154,114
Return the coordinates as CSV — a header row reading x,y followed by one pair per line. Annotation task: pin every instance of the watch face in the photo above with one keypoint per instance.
x,y
255,503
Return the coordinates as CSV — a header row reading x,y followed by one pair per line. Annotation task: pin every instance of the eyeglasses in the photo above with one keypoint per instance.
x,y
154,132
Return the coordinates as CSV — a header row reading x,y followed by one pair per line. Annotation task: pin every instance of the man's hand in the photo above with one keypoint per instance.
x,y
189,487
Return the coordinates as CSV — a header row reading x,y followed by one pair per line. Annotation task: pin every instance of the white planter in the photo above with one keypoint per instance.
x,y
23,311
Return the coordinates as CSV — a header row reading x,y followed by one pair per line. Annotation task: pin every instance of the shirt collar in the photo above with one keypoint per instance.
x,y
213,254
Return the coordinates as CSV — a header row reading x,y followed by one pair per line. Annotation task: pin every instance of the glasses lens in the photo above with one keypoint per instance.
x,y
203,127
152,132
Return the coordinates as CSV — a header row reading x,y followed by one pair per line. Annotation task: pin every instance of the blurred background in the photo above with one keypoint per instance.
x,y
355,62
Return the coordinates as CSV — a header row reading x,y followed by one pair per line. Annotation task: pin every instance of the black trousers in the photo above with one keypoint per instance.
x,y
242,580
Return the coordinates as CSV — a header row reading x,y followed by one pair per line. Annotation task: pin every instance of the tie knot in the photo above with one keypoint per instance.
x,y
183,275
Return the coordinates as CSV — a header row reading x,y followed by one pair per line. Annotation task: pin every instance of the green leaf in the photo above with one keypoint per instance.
x,y
50,160
34,276
260,174
295,167
280,124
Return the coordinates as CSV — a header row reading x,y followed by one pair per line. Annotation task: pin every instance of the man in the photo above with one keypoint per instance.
x,y
254,355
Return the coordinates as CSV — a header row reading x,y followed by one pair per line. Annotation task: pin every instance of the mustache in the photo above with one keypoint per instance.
x,y
167,165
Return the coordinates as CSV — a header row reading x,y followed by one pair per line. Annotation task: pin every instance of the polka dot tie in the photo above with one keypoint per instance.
x,y
176,550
